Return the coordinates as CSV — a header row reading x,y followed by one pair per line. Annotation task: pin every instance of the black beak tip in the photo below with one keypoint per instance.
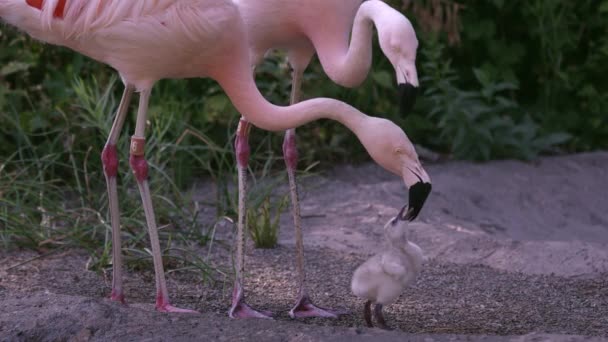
x,y
407,98
418,194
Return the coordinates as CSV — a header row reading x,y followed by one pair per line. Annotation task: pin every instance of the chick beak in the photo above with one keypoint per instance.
x,y
399,216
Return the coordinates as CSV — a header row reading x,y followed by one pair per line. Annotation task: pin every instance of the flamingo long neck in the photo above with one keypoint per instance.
x,y
239,85
350,65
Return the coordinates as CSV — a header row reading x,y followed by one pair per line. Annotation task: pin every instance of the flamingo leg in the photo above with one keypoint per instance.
x,y
109,158
140,170
240,309
380,317
367,313
304,306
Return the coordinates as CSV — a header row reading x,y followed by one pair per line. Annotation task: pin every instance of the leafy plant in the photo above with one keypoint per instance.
x,y
549,49
52,189
264,208
482,123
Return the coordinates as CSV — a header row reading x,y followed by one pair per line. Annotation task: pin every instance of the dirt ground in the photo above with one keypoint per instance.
x,y
517,253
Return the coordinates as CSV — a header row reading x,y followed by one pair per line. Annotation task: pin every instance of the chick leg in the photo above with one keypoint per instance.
x,y
380,317
367,313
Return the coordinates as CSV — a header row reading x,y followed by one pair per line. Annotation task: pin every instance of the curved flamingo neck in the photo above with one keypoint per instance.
x,y
350,66
239,85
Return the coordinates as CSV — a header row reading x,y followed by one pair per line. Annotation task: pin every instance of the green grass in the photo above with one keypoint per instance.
x,y
264,212
52,188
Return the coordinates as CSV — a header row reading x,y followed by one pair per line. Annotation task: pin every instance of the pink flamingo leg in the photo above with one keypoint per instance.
x,y
140,170
109,158
239,308
304,306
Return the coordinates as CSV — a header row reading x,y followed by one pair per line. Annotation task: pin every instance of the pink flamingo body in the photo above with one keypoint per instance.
x,y
146,41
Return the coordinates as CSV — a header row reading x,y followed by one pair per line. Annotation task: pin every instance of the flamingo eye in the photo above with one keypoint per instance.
x,y
403,151
396,47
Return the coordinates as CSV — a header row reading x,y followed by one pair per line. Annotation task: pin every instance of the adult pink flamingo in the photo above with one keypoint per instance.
x,y
303,27
146,41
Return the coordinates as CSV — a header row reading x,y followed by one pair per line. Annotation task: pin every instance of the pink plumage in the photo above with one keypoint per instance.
x,y
57,13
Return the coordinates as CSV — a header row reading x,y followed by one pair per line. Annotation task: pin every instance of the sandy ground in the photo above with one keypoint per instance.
x,y
517,253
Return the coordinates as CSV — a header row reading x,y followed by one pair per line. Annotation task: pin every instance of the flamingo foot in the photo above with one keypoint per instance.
x,y
118,296
304,308
162,305
240,309
380,318
383,326
171,308
243,310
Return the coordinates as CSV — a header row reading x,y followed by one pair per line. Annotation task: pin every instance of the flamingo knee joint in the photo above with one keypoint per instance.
x,y
109,159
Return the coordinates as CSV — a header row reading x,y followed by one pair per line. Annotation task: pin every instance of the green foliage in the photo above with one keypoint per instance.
x,y
554,51
482,123
52,190
264,205
263,224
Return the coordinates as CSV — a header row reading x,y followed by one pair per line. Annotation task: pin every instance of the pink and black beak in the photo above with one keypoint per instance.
x,y
418,195
419,184
407,98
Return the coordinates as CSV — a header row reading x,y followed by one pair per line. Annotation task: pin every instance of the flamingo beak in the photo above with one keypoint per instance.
x,y
418,195
407,98
419,184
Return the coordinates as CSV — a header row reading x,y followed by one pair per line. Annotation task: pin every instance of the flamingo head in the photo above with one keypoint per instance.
x,y
390,147
398,41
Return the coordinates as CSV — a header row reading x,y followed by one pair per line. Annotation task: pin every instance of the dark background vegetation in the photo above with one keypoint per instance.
x,y
500,79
